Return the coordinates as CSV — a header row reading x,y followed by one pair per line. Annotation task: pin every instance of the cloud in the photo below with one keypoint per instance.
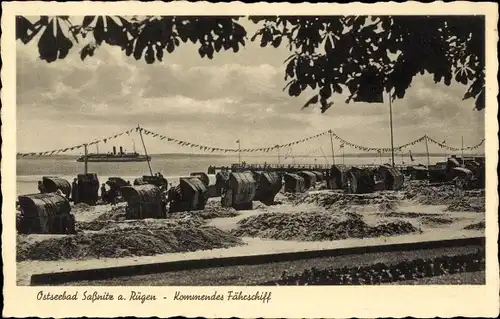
x,y
212,101
251,84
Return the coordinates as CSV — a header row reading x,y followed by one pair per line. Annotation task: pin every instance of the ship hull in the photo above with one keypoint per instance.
x,y
114,159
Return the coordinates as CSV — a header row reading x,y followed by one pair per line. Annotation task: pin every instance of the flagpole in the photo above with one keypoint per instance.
x,y
278,149
333,150
343,155
462,149
392,133
86,162
145,151
427,151
239,152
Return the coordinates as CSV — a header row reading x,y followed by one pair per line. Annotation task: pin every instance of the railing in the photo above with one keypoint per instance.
x,y
279,167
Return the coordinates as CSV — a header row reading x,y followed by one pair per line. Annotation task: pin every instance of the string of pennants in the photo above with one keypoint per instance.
x,y
205,148
76,147
373,149
454,149
229,150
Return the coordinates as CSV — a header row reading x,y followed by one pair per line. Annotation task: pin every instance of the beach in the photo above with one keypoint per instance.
x,y
317,219
31,170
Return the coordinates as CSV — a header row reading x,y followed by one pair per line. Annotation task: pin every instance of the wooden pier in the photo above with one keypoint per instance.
x,y
289,168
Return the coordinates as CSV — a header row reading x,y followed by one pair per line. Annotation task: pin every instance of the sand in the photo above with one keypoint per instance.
x,y
320,226
183,235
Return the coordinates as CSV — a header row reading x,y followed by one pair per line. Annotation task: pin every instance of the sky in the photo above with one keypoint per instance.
x,y
216,102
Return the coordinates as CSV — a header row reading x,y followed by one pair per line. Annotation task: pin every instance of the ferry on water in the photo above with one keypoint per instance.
x,y
115,157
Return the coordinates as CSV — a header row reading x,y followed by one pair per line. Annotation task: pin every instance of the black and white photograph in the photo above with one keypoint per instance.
x,y
250,150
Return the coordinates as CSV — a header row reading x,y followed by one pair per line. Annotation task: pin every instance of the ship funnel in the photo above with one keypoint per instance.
x,y
114,150
121,150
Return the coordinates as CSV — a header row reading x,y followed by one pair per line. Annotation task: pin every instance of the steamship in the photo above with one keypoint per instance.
x,y
115,157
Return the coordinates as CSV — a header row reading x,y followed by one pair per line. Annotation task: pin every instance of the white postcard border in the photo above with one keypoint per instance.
x,y
298,302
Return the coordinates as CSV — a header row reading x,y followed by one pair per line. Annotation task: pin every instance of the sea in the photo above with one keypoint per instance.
x,y
31,170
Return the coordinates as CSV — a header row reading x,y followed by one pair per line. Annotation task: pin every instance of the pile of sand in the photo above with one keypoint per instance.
x,y
115,218
140,224
383,273
82,207
102,221
310,226
321,199
467,204
436,220
407,214
337,199
293,197
213,209
321,186
127,242
459,200
476,226
432,195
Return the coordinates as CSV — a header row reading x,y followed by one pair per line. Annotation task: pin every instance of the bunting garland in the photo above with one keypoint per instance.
x,y
343,143
72,148
229,150
455,149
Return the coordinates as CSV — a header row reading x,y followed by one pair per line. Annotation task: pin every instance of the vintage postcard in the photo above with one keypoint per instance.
x,y
250,160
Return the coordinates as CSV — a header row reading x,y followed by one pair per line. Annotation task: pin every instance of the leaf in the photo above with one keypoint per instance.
x,y
337,88
150,56
480,101
87,50
209,50
325,105
139,47
325,92
277,41
47,46
239,32
99,31
235,46
115,34
87,20
201,51
170,47
290,57
290,68
312,100
294,89
255,35
129,48
218,45
25,30
64,44
159,53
